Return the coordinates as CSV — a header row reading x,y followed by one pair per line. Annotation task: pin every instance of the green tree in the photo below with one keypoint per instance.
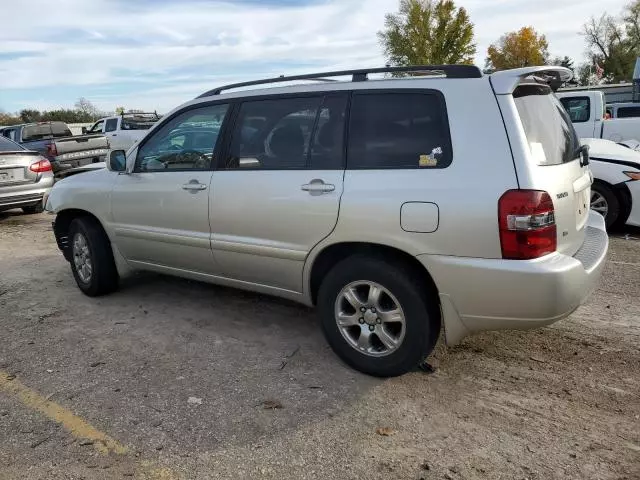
x,y
565,62
29,115
524,48
425,32
7,119
613,43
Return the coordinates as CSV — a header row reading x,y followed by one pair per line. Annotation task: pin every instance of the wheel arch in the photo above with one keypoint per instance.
x,y
62,223
330,255
623,194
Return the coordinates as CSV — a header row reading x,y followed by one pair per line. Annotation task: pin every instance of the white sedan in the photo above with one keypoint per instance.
x,y
615,192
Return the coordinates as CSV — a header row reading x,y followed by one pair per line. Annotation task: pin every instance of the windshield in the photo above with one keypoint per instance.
x,y
550,133
7,145
45,131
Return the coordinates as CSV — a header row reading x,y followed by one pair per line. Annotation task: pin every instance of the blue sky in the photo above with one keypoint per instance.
x,y
156,54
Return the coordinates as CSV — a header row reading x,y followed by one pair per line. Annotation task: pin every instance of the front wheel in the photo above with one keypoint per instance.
x,y
92,261
605,202
378,316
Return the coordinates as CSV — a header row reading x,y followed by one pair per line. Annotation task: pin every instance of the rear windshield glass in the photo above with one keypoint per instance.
x,y
550,133
7,145
45,130
138,122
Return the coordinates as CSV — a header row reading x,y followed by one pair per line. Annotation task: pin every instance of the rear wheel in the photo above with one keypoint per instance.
x,y
32,209
92,261
378,316
605,202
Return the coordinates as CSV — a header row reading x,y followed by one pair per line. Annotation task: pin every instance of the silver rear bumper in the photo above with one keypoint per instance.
x,y
493,294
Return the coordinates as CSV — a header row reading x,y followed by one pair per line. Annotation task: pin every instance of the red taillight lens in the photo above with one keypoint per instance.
x,y
527,224
43,165
52,151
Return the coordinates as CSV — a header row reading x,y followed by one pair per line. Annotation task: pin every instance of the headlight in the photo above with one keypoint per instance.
x,y
633,175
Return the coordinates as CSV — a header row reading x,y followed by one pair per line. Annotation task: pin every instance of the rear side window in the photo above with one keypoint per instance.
x,y
111,125
578,108
628,112
7,145
550,133
398,130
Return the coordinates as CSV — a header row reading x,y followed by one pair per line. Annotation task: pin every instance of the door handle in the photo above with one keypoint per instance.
x,y
318,187
194,186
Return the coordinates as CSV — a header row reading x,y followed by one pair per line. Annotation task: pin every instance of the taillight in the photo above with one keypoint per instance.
x,y
527,224
40,166
52,151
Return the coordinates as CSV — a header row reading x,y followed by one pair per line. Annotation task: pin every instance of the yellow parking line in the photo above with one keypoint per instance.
x,y
70,422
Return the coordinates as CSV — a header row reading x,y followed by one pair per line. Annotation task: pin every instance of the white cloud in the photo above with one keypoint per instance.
x,y
162,53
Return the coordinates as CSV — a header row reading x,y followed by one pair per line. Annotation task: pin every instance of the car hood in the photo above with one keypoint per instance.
x,y
608,150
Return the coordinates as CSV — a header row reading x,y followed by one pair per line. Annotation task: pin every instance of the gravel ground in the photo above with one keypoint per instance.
x,y
200,382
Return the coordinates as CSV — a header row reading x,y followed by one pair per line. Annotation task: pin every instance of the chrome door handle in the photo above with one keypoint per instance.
x,y
318,187
194,186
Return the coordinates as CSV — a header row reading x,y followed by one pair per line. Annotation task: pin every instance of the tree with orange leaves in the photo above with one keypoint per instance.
x,y
523,48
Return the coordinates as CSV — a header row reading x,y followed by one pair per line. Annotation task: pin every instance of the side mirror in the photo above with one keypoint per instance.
x,y
117,161
84,130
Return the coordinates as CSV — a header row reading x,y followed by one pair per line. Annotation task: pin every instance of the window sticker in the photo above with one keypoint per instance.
x,y
430,160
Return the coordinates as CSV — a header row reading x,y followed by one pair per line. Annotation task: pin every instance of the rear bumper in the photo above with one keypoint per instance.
x,y
26,195
493,294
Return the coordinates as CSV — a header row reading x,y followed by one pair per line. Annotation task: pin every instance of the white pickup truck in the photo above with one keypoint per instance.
x,y
592,120
124,130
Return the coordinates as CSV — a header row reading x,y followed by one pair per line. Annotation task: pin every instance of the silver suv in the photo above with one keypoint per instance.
x,y
397,206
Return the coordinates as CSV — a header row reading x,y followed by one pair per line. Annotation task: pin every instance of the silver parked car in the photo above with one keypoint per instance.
x,y
402,207
26,177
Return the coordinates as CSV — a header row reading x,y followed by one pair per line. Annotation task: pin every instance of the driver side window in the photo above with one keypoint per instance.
x,y
97,127
186,142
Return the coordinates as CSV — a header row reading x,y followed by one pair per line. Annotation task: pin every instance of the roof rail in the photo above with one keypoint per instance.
x,y
360,75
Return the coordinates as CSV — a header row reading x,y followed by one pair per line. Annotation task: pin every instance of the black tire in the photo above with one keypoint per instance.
x,y
33,209
417,300
613,203
104,276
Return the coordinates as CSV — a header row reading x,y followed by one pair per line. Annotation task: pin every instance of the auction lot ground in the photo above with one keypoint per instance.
x,y
169,379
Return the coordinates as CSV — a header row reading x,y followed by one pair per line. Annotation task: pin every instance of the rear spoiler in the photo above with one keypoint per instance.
x,y
506,81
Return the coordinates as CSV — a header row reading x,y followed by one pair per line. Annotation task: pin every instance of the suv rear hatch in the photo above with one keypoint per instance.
x,y
546,150
555,163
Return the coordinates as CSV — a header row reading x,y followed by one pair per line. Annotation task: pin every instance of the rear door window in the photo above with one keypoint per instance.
x,y
398,130
273,134
578,108
628,112
547,126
